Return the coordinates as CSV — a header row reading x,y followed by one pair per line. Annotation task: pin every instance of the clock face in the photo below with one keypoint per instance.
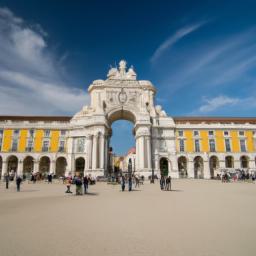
x,y
122,97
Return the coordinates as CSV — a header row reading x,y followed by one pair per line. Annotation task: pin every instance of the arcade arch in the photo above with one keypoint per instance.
x,y
28,164
80,164
61,164
244,162
44,164
182,166
214,165
198,167
12,163
229,162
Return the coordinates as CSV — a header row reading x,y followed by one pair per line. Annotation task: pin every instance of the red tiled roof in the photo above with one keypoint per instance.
x,y
132,151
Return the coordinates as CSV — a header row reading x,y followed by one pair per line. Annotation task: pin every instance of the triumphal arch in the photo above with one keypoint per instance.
x,y
123,96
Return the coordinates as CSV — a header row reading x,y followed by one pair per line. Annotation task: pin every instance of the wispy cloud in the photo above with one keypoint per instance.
x,y
215,103
31,75
178,35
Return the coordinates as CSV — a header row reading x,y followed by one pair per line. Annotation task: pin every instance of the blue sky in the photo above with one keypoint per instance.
x,y
200,55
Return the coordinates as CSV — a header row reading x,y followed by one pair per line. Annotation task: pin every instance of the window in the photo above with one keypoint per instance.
x,y
47,133
182,145
197,146
62,132
242,146
196,133
30,145
226,133
46,144
31,133
241,133
180,133
227,144
15,144
80,145
62,146
211,133
16,133
212,145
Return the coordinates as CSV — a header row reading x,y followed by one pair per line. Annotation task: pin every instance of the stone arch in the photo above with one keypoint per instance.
x,y
44,164
214,164
198,167
12,163
244,162
121,114
80,165
164,166
229,162
183,167
28,164
61,165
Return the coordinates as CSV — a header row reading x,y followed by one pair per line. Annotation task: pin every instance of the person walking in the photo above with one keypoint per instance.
x,y
130,183
169,183
123,183
7,179
68,184
86,182
79,184
18,182
162,183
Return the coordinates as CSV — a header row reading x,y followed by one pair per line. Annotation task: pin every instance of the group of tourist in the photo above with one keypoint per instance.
x,y
8,178
240,175
166,183
81,184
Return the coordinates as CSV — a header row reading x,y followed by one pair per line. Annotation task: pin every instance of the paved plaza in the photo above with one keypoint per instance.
x,y
199,217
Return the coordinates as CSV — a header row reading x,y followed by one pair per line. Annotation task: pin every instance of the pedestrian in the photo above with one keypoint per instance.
x,y
68,184
79,184
18,182
169,183
123,183
162,183
49,178
86,182
7,179
130,183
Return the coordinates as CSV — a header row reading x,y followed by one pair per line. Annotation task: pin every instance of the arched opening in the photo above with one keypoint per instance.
x,y
164,170
12,164
122,144
44,165
198,167
28,165
80,164
244,162
214,165
182,166
61,164
229,162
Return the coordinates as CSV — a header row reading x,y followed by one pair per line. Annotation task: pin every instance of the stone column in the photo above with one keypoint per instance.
x,y
102,151
36,166
137,154
191,173
53,166
4,169
148,139
89,152
94,152
106,153
142,151
207,173
20,167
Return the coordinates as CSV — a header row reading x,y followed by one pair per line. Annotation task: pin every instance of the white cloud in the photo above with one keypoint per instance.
x,y
31,76
217,103
178,35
